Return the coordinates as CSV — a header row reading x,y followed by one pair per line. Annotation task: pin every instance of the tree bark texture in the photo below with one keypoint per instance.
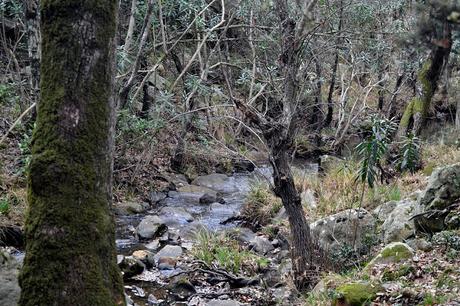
x,y
70,234
33,38
417,109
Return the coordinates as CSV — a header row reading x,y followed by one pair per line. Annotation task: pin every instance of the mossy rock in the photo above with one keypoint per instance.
x,y
392,253
390,275
356,294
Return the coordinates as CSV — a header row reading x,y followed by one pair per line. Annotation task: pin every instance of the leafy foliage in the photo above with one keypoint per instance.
x,y
4,206
410,156
373,149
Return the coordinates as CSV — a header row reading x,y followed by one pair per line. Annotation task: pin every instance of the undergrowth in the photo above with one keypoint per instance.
x,y
224,252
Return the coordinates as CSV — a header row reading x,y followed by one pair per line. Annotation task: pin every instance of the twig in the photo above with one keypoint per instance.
x,y
16,122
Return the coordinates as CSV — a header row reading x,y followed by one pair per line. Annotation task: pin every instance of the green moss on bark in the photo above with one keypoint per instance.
x,y
70,234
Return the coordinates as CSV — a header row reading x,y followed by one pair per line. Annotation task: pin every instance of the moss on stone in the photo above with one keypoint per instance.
x,y
396,251
356,294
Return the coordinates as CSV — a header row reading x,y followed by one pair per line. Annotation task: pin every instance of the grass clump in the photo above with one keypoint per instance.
x,y
226,253
261,206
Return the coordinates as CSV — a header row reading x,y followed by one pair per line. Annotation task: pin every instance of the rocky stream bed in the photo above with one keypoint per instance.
x,y
155,240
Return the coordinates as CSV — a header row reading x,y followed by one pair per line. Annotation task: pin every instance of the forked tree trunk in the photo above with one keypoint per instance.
x,y
70,234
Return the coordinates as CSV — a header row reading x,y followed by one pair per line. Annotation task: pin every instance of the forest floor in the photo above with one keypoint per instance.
x,y
247,262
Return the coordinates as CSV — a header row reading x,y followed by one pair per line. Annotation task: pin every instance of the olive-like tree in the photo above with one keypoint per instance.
x,y
70,233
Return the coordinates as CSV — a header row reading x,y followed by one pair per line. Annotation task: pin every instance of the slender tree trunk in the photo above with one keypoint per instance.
x,y
132,23
280,139
317,112
33,38
70,234
381,76
457,116
417,109
330,102
301,248
391,111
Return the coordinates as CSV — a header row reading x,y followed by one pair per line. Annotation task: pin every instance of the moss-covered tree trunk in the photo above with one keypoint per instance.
x,y
417,109
70,235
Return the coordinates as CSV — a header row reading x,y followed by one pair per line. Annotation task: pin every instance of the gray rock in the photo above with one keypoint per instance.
x,y
209,198
221,210
130,208
153,301
189,194
308,198
9,287
175,215
398,225
153,245
382,211
420,244
392,253
190,231
150,227
178,180
281,215
337,230
243,234
329,162
261,245
171,251
155,197
222,303
217,182
181,288
131,266
442,191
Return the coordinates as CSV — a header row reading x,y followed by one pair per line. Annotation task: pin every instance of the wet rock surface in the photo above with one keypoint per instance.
x,y
157,244
9,287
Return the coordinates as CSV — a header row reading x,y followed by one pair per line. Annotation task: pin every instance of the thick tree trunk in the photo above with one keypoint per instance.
x,y
70,235
416,111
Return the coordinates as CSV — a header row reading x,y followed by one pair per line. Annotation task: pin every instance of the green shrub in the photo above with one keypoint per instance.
x,y
4,206
226,253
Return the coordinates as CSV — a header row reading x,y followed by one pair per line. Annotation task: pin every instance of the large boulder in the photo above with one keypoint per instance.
x,y
169,251
175,216
442,191
190,194
217,182
351,227
9,287
398,225
392,253
150,227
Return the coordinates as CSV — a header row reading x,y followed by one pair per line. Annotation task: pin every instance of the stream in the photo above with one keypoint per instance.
x,y
183,214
